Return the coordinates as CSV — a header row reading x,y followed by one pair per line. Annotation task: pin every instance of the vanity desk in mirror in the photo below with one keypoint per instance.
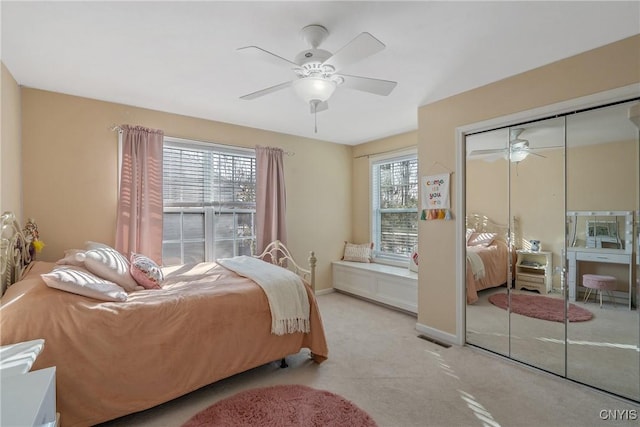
x,y
599,237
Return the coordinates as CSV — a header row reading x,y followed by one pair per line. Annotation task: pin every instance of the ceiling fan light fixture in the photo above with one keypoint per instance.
x,y
314,88
518,155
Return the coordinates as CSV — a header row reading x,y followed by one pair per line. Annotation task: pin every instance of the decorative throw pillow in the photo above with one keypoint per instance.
x,y
109,264
481,239
81,282
145,271
358,252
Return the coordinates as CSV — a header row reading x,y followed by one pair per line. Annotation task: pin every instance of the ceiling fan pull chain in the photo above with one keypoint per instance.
x,y
314,104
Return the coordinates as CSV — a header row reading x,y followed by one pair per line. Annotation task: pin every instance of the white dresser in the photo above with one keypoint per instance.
x,y
27,398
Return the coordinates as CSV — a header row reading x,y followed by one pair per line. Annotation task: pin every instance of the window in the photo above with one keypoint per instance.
x,y
209,198
395,186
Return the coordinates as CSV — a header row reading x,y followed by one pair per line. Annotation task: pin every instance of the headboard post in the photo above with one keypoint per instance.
x,y
312,266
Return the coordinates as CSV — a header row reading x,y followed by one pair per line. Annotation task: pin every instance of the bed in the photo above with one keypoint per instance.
x,y
489,259
113,358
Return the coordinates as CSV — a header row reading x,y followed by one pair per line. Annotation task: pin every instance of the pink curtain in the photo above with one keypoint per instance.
x,y
139,222
270,197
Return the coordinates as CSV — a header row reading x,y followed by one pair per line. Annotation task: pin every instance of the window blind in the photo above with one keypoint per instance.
x,y
204,177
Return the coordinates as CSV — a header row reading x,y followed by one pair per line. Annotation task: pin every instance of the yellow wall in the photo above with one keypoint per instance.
x,y
593,170
10,152
609,67
488,189
70,173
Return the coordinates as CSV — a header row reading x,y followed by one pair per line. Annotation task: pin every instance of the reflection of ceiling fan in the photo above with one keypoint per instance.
x,y
317,70
518,148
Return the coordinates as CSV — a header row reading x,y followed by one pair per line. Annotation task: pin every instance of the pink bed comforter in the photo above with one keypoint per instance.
x,y
495,258
115,358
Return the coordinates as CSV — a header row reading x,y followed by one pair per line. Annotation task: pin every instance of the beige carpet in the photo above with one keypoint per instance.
x,y
377,361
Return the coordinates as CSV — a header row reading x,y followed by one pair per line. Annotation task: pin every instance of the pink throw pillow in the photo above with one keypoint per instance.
x,y
145,271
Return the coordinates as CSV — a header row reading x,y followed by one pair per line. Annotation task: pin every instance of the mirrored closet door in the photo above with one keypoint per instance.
x,y
487,183
602,252
561,196
536,201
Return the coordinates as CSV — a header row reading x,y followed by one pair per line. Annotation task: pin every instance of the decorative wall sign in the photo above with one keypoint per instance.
x,y
435,197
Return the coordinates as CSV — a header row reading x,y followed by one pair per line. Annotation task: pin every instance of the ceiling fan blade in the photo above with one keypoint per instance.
x,y
489,151
367,84
359,48
266,55
266,91
536,154
321,106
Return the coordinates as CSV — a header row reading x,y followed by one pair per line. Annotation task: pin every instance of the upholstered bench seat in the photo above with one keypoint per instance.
x,y
600,283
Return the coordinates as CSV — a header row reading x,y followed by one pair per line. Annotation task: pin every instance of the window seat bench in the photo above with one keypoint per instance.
x,y
396,287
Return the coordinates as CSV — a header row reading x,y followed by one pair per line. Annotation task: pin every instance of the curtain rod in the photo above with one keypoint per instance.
x,y
395,150
117,128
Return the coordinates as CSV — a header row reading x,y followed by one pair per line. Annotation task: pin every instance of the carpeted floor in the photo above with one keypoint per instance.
x,y
597,349
377,361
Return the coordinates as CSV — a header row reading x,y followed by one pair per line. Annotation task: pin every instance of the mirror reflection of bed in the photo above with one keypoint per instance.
x,y
487,255
487,269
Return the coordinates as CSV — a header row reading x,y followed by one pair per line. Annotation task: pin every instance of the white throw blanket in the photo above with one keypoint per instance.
x,y
477,266
285,291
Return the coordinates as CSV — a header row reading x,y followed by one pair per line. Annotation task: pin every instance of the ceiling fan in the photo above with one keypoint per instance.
x,y
317,71
518,148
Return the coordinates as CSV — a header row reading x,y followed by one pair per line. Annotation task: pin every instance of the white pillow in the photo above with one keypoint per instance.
x,y
70,258
88,245
109,264
470,231
79,281
481,239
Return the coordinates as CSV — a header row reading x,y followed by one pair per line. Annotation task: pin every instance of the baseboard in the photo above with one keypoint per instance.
x,y
437,334
324,291
381,304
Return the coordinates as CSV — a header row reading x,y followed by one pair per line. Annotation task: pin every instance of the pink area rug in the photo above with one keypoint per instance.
x,y
282,405
541,307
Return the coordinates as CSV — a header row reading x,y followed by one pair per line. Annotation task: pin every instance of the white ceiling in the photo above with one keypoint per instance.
x,y
181,57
